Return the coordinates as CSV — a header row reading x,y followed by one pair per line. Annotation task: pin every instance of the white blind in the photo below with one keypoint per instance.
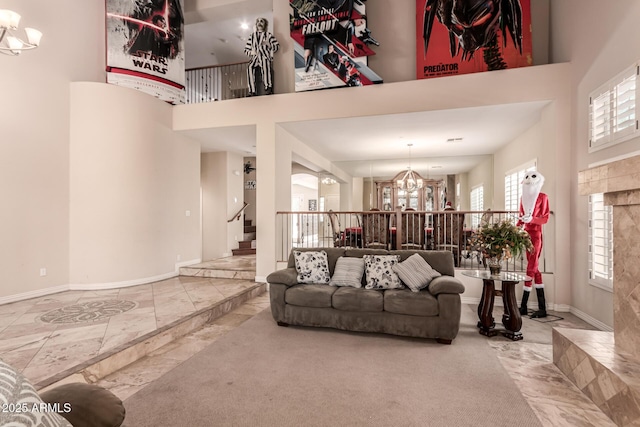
x,y
477,204
600,242
612,110
513,186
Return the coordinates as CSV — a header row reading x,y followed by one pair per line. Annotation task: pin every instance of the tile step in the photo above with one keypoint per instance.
x,y
218,273
606,375
104,364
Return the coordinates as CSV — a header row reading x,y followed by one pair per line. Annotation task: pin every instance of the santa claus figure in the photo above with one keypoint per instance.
x,y
534,213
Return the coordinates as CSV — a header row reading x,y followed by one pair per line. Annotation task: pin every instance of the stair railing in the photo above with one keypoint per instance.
x,y
239,213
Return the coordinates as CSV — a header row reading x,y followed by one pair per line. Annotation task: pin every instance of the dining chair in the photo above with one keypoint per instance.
x,y
376,230
448,229
413,233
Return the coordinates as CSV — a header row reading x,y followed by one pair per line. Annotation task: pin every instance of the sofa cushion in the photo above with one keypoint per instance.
x,y
310,295
441,261
348,272
379,272
18,397
415,272
403,301
332,256
349,299
312,267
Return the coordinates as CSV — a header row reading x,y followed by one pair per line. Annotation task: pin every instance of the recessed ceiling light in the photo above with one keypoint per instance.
x,y
244,26
454,139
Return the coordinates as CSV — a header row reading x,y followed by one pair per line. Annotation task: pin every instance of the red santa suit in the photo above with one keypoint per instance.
x,y
534,213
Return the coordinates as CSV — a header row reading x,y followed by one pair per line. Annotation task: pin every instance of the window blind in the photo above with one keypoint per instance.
x,y
600,242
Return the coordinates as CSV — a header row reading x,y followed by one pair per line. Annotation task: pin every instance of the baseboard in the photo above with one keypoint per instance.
x,y
33,294
261,279
590,320
227,254
187,263
123,284
96,286
562,308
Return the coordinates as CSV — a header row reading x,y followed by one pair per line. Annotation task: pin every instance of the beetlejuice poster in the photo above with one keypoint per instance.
x,y
469,36
145,46
332,43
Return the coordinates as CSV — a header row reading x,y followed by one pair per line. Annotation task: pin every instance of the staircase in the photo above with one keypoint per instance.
x,y
248,244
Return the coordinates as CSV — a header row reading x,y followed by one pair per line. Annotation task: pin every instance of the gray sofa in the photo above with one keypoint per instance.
x,y
433,312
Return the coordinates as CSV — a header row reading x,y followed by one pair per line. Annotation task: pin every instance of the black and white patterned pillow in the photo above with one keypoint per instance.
x,y
379,272
20,403
415,272
312,266
348,272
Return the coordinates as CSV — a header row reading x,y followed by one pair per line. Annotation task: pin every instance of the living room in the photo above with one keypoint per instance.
x,y
93,172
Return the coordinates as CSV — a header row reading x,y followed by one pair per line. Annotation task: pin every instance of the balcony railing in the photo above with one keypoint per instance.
x,y
207,84
441,230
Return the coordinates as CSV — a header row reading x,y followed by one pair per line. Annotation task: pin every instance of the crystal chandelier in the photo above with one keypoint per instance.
x,y
410,180
9,43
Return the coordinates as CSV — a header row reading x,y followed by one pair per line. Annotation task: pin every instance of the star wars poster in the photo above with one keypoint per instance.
x,y
331,42
145,47
469,36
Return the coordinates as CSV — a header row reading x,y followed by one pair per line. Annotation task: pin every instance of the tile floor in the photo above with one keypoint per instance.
x,y
37,347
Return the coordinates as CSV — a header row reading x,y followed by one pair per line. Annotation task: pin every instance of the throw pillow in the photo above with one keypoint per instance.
x,y
415,272
379,272
348,272
21,403
312,266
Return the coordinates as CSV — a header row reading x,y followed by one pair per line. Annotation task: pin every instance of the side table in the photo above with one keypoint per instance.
x,y
511,318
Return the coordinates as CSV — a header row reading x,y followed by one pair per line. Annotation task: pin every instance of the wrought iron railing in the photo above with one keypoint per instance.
x,y
440,230
207,84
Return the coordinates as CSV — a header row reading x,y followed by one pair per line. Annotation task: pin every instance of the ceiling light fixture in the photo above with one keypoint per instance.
x,y
410,180
328,181
244,26
9,43
454,139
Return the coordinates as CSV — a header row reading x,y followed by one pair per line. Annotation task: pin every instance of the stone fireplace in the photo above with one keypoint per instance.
x,y
605,365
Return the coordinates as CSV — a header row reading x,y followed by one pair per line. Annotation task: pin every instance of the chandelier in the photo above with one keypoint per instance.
x,y
328,181
410,180
9,43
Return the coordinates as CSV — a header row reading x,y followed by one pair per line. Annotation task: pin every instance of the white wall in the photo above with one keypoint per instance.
x,y
34,146
132,182
597,53
483,175
222,196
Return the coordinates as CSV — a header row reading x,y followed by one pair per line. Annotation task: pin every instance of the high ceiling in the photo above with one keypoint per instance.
x,y
377,146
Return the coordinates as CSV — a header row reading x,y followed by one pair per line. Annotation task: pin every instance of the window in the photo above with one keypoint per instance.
x,y
612,110
600,243
477,204
512,185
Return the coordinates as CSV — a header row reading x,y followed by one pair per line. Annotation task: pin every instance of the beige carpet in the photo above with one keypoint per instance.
x,y
261,374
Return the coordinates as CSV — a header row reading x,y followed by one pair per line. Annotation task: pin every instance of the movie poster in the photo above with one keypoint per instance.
x,y
331,42
469,36
145,47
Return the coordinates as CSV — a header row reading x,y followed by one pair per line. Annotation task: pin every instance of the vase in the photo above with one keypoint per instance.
x,y
495,264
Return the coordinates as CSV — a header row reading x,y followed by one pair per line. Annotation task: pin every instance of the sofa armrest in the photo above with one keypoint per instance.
x,y
90,405
287,276
445,285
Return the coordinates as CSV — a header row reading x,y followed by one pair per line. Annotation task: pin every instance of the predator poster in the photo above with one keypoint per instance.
x,y
332,43
145,47
469,36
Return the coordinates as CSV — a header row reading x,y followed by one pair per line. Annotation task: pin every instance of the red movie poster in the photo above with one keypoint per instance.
x,y
468,36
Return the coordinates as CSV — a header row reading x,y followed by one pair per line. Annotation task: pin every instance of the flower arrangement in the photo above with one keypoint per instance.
x,y
501,240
